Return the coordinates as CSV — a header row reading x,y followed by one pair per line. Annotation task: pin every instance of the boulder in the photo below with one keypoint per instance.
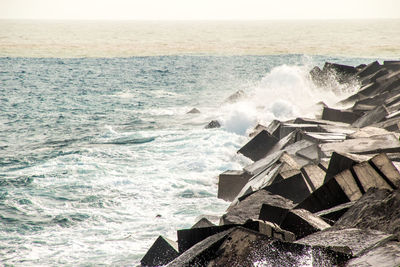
x,y
213,124
193,111
161,252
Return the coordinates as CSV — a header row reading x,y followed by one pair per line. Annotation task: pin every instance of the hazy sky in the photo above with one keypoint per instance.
x,y
199,9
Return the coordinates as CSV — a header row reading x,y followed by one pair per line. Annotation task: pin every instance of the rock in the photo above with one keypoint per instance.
x,y
370,117
259,146
346,116
230,183
203,222
193,111
235,96
256,130
161,252
369,69
212,124
378,209
368,131
302,223
243,247
387,255
250,207
357,240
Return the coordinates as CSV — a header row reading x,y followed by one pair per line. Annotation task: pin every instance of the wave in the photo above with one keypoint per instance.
x,y
284,93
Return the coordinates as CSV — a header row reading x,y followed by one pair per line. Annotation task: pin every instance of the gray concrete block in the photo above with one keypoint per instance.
x,y
382,164
357,240
314,176
193,111
369,69
331,215
346,116
302,223
161,252
256,130
269,229
249,207
213,124
259,146
272,213
230,183
370,117
387,255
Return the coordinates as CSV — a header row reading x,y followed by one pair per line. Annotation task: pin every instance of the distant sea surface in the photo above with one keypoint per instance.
x,y
98,155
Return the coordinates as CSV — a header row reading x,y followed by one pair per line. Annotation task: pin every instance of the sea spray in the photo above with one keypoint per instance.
x,y
284,93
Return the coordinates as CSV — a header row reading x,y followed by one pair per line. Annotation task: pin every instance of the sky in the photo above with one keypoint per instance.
x,y
198,9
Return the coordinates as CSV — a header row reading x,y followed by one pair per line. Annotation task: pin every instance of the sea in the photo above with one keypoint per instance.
x,y
98,153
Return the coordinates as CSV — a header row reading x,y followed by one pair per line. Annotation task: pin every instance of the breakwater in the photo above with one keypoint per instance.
x,y
321,191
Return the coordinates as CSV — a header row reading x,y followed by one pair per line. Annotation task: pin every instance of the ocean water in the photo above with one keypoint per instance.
x,y
97,154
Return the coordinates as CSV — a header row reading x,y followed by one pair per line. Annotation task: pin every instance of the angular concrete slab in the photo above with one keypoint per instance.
x,y
377,209
270,229
243,247
272,213
302,223
368,132
161,252
259,146
203,222
346,116
249,208
357,240
369,69
387,143
314,176
386,169
387,255
371,117
331,215
230,183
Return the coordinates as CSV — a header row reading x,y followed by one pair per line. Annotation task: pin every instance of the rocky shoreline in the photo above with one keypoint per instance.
x,y
320,192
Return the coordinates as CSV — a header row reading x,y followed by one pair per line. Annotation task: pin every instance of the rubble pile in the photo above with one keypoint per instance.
x,y
320,192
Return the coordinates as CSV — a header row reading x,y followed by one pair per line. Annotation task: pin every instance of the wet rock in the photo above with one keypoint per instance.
x,y
370,117
369,69
259,146
213,124
230,183
203,222
302,223
235,96
193,111
161,252
387,255
243,247
249,207
346,116
357,240
378,209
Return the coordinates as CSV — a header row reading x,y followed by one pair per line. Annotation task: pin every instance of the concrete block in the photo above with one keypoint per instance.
x,y
272,213
203,222
357,240
342,161
274,128
244,247
343,71
377,209
388,143
387,255
270,229
259,146
320,122
256,130
230,183
386,170
370,117
287,128
369,69
193,111
235,97
368,131
374,76
249,207
311,153
161,252
346,116
201,253
319,138
392,125
314,176
294,188
368,177
331,215
339,189
302,223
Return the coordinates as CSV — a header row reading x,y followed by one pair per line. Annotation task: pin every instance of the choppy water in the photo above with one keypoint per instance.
x,y
93,149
